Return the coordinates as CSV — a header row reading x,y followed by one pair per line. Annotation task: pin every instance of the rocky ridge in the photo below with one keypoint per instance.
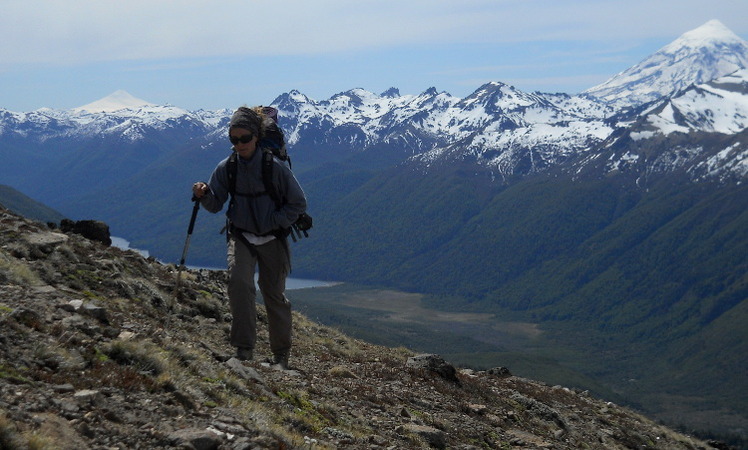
x,y
97,352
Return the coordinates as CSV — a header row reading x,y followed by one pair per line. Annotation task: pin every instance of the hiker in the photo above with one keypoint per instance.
x,y
255,235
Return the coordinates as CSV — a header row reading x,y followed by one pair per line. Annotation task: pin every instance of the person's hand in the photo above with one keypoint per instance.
x,y
199,189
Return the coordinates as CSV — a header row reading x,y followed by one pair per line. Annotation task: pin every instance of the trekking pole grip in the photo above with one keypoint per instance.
x,y
195,209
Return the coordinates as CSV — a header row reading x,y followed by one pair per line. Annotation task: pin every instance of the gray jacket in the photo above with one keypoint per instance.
x,y
252,212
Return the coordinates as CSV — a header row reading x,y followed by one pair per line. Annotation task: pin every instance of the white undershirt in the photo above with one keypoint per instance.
x,y
257,240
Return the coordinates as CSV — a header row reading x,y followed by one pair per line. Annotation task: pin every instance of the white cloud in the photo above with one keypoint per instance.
x,y
80,31
64,53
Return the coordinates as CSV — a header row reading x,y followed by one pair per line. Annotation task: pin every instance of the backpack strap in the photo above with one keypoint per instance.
x,y
231,170
267,177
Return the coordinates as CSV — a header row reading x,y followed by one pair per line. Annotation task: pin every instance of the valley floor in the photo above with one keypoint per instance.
x,y
483,340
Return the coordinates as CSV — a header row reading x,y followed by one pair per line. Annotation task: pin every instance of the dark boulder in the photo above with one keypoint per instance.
x,y
434,364
94,230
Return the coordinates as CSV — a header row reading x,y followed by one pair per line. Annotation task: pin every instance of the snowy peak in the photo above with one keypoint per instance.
x,y
697,56
712,33
115,101
499,97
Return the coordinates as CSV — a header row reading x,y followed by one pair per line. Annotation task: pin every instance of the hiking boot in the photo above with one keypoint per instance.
x,y
280,361
244,354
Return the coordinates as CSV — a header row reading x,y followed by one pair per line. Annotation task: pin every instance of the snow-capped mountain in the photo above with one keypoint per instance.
x,y
116,101
119,114
700,55
498,127
514,132
702,132
47,151
351,118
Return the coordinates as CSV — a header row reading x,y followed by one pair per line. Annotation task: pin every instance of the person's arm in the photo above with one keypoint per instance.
x,y
214,193
294,200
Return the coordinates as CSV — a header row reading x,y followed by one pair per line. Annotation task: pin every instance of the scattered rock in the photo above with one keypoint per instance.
x,y
72,305
91,357
47,239
477,409
88,397
126,335
435,438
245,372
196,439
95,311
27,317
435,364
339,436
501,372
64,388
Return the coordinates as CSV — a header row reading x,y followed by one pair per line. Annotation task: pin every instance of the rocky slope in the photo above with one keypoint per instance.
x,y
96,352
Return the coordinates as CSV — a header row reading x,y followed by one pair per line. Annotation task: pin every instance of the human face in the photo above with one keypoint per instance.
x,y
243,149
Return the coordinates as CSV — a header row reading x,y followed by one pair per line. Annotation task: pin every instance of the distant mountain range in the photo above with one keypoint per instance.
x,y
498,127
21,204
620,211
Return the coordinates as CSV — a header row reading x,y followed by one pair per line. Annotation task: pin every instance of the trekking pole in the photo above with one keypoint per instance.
x,y
195,209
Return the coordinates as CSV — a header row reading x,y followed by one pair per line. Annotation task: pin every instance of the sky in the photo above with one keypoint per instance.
x,y
206,54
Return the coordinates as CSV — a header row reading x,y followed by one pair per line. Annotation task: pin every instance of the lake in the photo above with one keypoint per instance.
x,y
291,283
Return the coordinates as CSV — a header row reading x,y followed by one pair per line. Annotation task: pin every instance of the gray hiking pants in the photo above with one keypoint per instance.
x,y
274,265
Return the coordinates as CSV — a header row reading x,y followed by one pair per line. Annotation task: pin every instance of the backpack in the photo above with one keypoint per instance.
x,y
274,140
272,145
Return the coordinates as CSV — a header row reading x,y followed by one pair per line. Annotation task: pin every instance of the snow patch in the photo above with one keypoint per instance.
x,y
641,135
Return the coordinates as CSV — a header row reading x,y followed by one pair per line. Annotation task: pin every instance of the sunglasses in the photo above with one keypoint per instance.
x,y
243,139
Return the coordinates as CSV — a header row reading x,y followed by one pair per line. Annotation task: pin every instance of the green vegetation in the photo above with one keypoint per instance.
x,y
643,291
13,375
17,273
314,417
145,358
